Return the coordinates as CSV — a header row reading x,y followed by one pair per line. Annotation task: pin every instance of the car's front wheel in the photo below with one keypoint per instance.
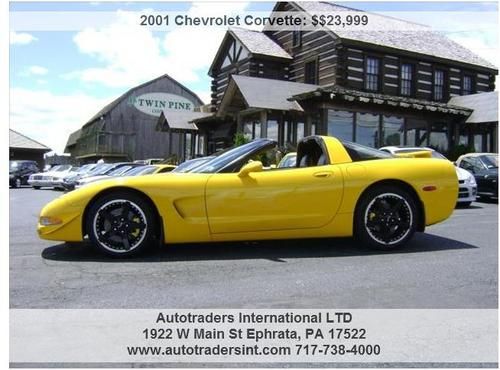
x,y
386,217
121,224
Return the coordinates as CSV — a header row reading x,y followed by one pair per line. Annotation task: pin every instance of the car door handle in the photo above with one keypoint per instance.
x,y
323,174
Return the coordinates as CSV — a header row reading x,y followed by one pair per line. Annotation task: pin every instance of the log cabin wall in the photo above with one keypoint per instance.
x,y
352,67
343,64
313,45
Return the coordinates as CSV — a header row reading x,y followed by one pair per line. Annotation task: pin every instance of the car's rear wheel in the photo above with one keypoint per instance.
x,y
386,217
36,187
121,224
17,182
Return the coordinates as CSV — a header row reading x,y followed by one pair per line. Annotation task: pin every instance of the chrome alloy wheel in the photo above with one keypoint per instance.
x,y
388,218
120,225
18,182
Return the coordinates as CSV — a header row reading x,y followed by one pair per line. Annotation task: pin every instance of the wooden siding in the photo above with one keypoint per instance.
x,y
319,45
350,73
315,45
126,130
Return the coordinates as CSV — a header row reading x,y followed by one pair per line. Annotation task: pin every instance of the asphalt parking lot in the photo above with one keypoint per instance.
x,y
452,265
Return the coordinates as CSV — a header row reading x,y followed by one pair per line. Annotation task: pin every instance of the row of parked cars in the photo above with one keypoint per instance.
x,y
477,173
68,177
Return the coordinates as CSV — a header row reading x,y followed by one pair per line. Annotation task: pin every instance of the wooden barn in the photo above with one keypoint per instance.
x,y
125,129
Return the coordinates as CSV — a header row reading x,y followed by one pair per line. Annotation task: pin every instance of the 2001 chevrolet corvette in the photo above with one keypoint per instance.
x,y
337,189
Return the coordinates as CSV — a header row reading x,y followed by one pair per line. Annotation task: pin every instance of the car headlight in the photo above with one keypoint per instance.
x,y
471,181
48,221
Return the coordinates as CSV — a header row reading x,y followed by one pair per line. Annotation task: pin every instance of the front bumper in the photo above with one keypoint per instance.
x,y
488,187
46,183
70,226
466,192
41,183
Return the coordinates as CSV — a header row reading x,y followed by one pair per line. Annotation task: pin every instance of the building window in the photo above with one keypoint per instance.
x,y
296,38
392,130
188,146
272,129
311,72
340,124
406,79
367,129
438,137
300,131
251,129
467,85
439,85
416,132
372,74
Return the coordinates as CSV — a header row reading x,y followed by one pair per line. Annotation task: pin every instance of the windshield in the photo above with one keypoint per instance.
x,y
141,170
359,152
490,160
232,155
100,168
191,164
87,168
120,170
61,168
289,161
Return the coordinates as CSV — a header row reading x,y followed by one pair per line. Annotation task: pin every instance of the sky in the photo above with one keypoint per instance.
x,y
59,79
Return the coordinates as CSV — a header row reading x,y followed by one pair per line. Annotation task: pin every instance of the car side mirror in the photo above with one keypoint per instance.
x,y
254,166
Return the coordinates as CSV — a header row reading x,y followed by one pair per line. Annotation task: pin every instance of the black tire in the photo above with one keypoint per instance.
x,y
36,187
17,183
121,224
464,204
386,217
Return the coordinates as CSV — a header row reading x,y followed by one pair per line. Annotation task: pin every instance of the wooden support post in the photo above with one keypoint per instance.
x,y
308,125
263,124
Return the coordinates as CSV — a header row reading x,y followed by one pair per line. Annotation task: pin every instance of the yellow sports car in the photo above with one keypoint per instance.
x,y
336,189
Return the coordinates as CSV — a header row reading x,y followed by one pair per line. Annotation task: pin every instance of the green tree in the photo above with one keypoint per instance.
x,y
240,139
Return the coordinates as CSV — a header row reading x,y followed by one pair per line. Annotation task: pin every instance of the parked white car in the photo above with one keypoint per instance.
x,y
467,186
53,178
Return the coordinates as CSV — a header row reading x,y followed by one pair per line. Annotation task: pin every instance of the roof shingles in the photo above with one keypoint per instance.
x,y
20,141
402,35
258,43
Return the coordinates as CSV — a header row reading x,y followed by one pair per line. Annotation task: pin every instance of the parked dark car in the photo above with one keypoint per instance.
x,y
484,167
20,171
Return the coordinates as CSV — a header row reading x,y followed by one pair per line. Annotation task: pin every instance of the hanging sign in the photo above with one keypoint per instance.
x,y
154,103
